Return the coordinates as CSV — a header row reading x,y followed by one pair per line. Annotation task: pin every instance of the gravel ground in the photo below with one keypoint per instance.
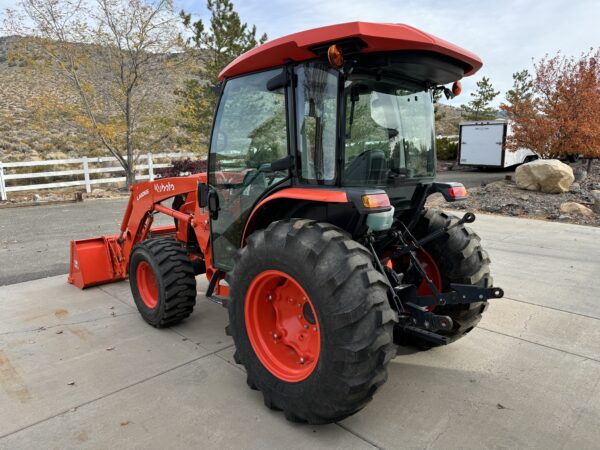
x,y
503,197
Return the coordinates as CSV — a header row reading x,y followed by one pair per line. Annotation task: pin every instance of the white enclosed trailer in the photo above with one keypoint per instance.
x,y
483,144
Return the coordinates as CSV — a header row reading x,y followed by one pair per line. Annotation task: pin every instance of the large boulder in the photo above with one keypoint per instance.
x,y
546,175
575,208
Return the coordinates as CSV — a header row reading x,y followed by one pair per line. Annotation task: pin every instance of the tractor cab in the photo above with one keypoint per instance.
x,y
346,118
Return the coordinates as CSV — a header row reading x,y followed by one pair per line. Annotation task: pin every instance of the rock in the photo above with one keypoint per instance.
x,y
580,173
575,208
596,197
546,175
575,187
36,198
491,208
97,193
564,217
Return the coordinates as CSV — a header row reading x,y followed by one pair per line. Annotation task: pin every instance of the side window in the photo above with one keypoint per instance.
x,y
316,102
250,130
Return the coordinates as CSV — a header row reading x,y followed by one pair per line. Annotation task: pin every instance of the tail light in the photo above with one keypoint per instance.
x,y
457,192
376,201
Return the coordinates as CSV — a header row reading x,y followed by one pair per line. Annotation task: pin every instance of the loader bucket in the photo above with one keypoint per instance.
x,y
92,262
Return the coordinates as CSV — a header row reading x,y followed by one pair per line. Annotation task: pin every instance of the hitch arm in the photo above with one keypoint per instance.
x,y
414,246
459,293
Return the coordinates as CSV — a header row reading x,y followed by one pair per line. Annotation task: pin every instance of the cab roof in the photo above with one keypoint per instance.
x,y
374,37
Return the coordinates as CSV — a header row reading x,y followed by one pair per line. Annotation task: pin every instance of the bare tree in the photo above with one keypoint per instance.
x,y
114,55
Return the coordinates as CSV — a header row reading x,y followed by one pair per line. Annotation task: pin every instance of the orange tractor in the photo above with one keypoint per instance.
x,y
310,222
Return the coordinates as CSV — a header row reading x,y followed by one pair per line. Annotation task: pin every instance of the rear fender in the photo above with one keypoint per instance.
x,y
451,191
298,194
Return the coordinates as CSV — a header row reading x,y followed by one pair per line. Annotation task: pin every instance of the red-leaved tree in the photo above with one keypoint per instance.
x,y
556,112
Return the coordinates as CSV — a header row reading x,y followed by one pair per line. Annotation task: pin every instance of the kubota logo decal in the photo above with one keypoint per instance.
x,y
164,187
143,194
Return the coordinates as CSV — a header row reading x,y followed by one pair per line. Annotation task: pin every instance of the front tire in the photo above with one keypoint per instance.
x,y
311,321
161,277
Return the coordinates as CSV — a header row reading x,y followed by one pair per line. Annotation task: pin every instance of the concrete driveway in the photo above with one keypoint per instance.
x,y
81,369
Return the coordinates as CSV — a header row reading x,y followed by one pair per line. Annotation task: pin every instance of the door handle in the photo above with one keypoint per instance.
x,y
213,204
203,191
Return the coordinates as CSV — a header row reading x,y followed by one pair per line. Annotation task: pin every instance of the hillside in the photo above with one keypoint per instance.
x,y
448,118
27,132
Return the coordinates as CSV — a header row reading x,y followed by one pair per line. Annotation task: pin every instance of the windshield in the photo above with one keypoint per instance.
x,y
389,133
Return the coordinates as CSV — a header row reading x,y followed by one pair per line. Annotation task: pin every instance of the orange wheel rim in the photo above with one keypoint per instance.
x,y
282,326
146,284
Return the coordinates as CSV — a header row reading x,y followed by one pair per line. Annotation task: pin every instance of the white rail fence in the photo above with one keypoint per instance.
x,y
88,170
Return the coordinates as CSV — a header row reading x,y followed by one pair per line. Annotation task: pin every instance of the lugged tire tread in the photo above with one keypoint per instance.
x,y
313,246
179,282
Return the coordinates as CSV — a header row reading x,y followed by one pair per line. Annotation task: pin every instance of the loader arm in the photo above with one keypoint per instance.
x,y
105,259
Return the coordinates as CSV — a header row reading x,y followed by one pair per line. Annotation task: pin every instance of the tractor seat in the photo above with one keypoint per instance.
x,y
368,168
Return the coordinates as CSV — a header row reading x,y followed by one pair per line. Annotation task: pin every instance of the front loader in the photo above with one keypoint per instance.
x,y
310,222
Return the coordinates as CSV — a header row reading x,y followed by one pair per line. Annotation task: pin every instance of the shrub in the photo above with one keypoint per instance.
x,y
183,167
447,149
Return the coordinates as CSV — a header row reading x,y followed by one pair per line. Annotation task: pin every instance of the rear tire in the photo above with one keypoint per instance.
x,y
162,281
351,310
460,259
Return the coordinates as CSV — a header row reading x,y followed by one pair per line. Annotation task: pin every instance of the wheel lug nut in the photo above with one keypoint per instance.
x,y
275,336
299,316
299,305
301,360
270,297
305,326
314,328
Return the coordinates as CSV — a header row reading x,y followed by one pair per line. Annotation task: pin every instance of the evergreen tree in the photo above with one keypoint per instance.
x,y
479,107
224,40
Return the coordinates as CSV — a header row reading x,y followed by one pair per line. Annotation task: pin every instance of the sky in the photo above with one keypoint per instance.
x,y
505,34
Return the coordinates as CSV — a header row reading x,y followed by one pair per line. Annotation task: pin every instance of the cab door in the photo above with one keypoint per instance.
x,y
250,131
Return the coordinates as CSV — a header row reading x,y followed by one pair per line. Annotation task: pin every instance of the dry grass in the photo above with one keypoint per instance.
x,y
22,91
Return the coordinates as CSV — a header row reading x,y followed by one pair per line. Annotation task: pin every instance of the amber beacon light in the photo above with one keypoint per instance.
x,y
335,56
456,88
